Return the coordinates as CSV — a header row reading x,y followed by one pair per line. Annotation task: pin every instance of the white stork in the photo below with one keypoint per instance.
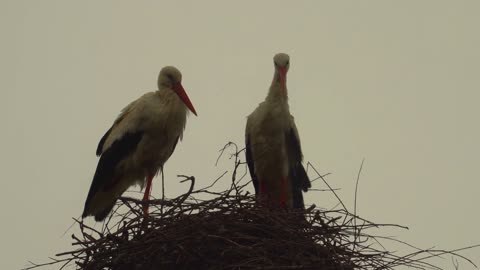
x,y
139,143
273,150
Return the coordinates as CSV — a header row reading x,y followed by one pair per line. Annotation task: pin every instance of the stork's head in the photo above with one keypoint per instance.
x,y
282,63
171,78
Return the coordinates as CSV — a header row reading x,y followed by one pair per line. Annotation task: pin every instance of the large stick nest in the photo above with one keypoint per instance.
x,y
228,230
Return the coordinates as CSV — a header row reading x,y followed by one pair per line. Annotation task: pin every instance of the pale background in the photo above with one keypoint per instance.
x,y
395,82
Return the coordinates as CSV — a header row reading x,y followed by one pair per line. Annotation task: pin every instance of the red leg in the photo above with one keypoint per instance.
x,y
146,195
261,188
283,196
262,197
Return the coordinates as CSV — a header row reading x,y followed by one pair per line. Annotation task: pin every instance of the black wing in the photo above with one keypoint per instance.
x,y
123,114
174,146
251,167
111,157
297,173
102,142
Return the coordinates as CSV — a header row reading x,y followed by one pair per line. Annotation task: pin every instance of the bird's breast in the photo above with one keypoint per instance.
x,y
267,129
162,130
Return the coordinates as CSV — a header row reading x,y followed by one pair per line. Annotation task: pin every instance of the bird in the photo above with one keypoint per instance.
x,y
272,146
137,145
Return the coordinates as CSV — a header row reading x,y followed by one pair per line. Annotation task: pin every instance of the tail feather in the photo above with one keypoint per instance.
x,y
302,177
100,216
101,203
300,182
106,184
298,198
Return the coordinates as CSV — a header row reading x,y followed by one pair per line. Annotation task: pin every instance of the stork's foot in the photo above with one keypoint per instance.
x,y
145,208
284,194
263,199
145,203
274,201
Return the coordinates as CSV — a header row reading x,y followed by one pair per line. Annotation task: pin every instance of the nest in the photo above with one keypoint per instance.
x,y
229,230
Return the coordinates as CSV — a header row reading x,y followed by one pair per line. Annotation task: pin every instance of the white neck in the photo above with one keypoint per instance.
x,y
168,95
277,92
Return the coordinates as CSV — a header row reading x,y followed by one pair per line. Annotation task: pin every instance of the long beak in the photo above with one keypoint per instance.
x,y
183,96
283,76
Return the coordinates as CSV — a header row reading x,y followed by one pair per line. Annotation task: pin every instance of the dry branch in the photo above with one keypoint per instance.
x,y
230,231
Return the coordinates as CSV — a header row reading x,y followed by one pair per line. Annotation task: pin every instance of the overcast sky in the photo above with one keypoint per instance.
x,y
394,82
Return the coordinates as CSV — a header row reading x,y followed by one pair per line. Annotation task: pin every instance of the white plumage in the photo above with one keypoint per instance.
x,y
273,146
139,143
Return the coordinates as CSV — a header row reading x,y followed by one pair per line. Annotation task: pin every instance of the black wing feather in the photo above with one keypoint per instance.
x,y
102,142
297,173
108,162
104,213
174,146
251,167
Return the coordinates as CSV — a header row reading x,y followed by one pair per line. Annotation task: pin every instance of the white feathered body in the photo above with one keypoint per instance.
x,y
160,117
266,129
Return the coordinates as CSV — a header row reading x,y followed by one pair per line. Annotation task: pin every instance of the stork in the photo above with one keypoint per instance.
x,y
138,144
273,150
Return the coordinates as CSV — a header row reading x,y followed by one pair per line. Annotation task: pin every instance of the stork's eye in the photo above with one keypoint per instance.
x,y
288,62
170,77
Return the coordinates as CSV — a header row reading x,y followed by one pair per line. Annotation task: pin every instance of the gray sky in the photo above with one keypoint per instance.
x,y
394,82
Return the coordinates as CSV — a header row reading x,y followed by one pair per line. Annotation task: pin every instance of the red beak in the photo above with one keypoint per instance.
x,y
283,76
183,96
